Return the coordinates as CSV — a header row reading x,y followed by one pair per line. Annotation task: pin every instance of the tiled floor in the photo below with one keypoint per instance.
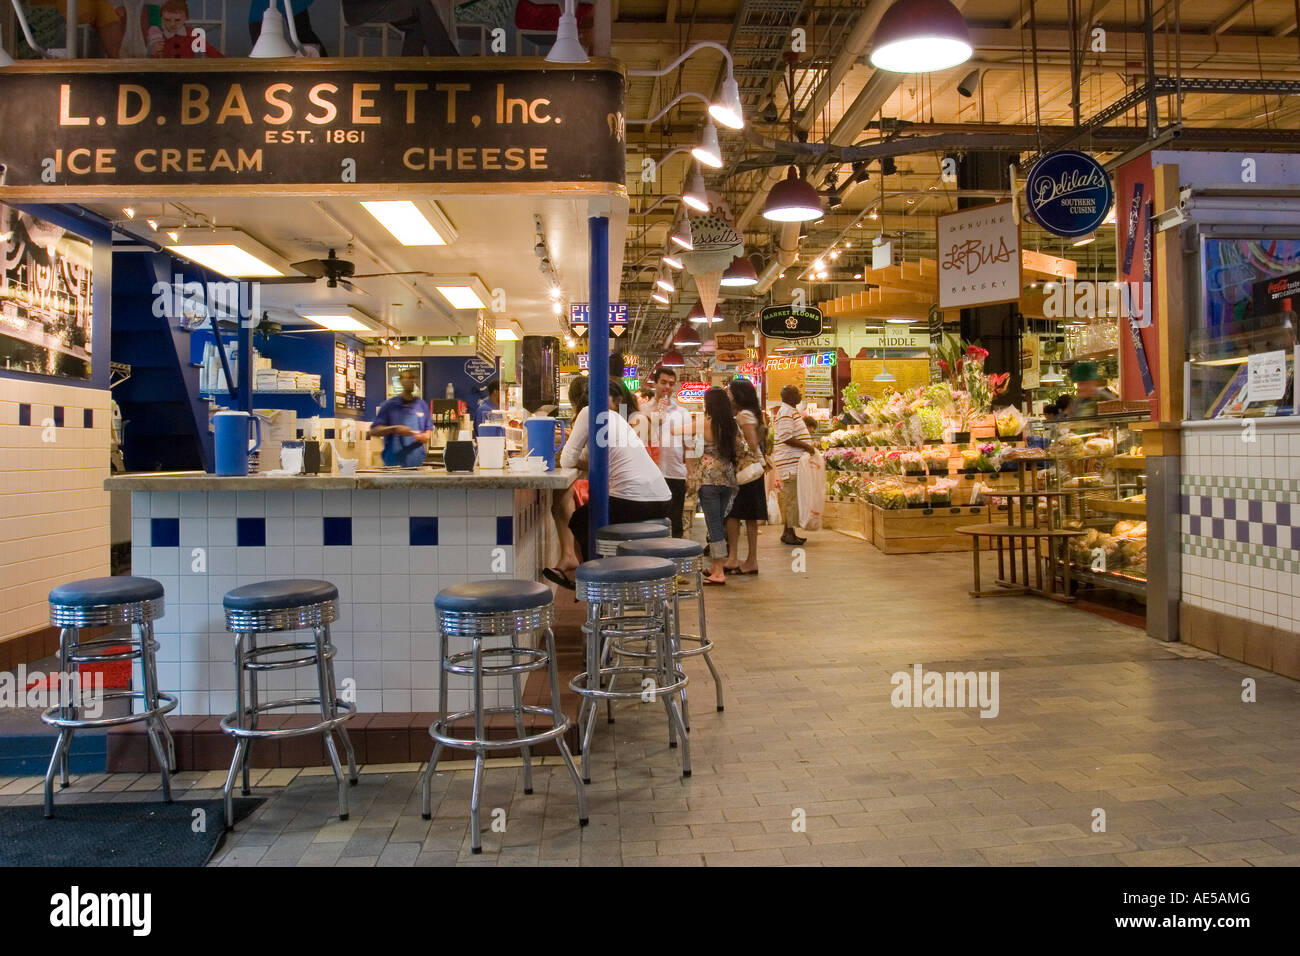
x,y
811,763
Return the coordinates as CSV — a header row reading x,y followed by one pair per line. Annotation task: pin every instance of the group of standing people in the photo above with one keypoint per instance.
x,y
653,480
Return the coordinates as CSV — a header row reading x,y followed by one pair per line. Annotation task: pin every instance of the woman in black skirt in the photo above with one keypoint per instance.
x,y
750,503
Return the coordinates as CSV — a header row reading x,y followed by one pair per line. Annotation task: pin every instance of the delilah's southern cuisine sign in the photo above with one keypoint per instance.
x,y
432,124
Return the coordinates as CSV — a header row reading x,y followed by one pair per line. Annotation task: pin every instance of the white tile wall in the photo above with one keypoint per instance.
x,y
54,512
385,637
1264,595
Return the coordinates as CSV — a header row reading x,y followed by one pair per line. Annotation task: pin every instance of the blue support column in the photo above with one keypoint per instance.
x,y
598,369
245,372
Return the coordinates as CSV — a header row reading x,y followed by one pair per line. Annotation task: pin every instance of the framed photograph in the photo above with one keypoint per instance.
x,y
393,377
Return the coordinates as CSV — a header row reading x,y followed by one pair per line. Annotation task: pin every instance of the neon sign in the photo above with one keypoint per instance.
x,y
692,392
780,362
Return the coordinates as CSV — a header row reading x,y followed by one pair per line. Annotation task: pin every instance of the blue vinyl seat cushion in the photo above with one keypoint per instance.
x,y
486,597
625,570
632,531
661,548
279,595
94,592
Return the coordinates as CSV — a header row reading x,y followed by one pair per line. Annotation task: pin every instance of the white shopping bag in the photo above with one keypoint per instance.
x,y
774,507
812,491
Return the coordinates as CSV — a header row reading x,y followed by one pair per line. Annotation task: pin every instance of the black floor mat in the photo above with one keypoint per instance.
x,y
116,833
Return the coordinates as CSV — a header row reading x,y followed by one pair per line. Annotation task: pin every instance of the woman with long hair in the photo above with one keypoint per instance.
x,y
750,502
723,448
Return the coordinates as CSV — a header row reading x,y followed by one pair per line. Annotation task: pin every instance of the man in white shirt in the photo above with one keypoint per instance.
x,y
790,440
671,423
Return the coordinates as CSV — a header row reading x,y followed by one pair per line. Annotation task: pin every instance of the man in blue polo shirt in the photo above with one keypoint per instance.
x,y
490,404
404,423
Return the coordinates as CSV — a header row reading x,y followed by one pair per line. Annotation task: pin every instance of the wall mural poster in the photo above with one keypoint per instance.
x,y
45,297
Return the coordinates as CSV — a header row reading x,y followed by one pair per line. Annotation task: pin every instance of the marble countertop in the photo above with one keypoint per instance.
x,y
558,479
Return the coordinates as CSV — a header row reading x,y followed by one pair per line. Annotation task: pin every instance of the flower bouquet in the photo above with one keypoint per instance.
x,y
969,461
889,494
990,457
914,495
1010,423
936,459
913,463
941,492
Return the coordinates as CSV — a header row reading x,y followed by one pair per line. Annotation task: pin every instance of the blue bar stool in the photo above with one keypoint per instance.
x,y
608,537
608,585
106,602
497,609
264,608
688,555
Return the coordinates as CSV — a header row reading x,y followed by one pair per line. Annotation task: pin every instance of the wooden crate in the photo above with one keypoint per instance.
x,y
912,531
847,516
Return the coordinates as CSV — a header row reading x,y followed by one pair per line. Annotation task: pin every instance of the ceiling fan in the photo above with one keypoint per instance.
x,y
335,271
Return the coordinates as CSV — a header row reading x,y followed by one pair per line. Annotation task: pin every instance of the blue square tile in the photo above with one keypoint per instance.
x,y
164,532
24,414
1229,508
424,532
1183,504
337,532
505,529
1216,527
58,416
1257,511
1283,513
1270,536
87,418
250,532
1205,506
329,433
1196,524
1243,530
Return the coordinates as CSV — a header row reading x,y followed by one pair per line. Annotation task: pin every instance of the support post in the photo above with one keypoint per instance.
x,y
598,370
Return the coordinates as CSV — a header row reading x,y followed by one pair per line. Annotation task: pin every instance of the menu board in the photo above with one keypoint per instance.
x,y
349,378
908,373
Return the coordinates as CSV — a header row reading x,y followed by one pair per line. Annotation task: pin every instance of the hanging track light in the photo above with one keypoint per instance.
x,y
697,196
727,108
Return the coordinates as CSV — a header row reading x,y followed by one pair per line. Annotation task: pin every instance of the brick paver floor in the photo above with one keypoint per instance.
x,y
812,764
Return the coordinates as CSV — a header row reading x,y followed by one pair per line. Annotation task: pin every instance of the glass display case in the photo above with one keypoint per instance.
x,y
1100,461
1250,293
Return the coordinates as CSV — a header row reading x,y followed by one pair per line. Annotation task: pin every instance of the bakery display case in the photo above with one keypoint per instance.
x,y
1099,463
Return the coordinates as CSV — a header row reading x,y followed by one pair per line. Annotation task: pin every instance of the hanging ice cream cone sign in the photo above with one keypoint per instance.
x,y
716,242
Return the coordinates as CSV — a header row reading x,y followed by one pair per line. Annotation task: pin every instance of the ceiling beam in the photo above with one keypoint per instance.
x,y
670,33
1058,41
1284,29
1231,17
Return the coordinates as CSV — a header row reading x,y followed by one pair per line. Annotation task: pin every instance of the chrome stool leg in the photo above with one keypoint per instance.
x,y
519,727
149,659
668,676
241,743
558,722
704,638
252,716
334,711
475,835
150,681
327,714
427,782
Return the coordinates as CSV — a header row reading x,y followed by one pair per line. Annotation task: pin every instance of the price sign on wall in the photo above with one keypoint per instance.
x,y
818,382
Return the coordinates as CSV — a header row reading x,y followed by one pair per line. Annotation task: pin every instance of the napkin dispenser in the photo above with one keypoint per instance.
x,y
458,456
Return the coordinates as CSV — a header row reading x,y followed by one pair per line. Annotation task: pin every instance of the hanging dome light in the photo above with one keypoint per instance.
x,y
672,359
681,234
697,196
685,335
567,48
884,375
728,110
792,200
697,316
271,42
672,261
660,297
741,272
709,152
921,36
664,282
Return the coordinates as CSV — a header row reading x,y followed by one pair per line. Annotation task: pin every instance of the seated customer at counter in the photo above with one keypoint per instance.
x,y
405,424
637,490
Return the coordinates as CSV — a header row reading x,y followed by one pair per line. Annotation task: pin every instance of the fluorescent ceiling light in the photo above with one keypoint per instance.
x,y
409,224
339,318
900,321
463,292
1085,241
229,252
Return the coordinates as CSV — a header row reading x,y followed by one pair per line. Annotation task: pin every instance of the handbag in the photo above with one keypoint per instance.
x,y
749,465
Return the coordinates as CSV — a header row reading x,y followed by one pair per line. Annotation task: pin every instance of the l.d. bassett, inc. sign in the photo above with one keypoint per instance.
x,y
228,123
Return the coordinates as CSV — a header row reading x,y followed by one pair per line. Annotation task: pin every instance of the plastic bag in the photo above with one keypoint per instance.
x,y
812,491
774,508
1009,421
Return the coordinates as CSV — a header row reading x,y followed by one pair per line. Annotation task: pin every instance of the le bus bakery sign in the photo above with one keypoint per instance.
x,y
217,126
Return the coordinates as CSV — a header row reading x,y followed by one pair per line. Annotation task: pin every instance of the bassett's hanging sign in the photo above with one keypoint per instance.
x,y
229,127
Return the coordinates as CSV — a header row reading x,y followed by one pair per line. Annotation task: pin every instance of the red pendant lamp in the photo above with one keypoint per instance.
x,y
672,359
740,273
792,200
686,335
921,36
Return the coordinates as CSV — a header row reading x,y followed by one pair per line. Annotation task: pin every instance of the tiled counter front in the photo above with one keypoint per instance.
x,y
1240,515
388,552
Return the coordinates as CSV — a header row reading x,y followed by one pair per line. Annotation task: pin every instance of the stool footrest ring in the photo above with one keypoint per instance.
x,y
579,684
166,703
439,730
228,722
461,663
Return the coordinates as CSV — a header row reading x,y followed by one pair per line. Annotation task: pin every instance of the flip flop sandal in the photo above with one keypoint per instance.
x,y
732,571
714,584
556,576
